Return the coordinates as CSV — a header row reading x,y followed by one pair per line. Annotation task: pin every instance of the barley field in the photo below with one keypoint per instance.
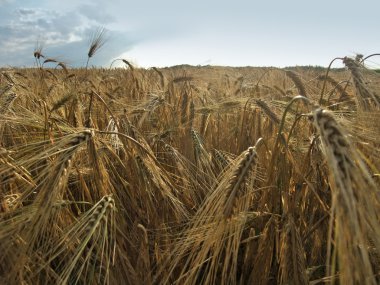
x,y
189,175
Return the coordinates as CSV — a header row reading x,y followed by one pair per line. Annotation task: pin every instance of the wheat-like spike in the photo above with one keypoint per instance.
x,y
264,256
221,159
114,138
184,108
156,101
97,42
17,172
131,67
7,102
185,174
230,104
38,51
49,60
9,77
143,262
150,106
46,198
364,94
239,176
9,203
98,212
334,139
192,113
292,256
5,89
202,159
297,82
355,201
162,77
336,146
197,144
62,101
93,237
264,106
359,57
63,66
21,74
142,167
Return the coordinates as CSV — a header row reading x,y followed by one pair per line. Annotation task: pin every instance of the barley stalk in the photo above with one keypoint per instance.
x,y
354,202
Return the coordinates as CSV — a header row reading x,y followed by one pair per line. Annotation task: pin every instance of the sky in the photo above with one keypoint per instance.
x,y
198,32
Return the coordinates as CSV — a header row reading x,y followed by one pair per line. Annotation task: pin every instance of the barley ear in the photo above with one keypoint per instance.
x,y
97,42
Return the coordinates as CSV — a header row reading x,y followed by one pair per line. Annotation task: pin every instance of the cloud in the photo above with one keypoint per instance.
x,y
63,34
26,12
2,2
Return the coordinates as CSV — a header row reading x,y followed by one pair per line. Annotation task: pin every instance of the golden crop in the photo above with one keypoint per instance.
x,y
189,175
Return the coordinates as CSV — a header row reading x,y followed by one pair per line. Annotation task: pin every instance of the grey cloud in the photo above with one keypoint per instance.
x,y
5,2
26,11
33,23
64,35
25,15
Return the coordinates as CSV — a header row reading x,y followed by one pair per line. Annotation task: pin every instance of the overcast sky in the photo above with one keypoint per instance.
x,y
170,32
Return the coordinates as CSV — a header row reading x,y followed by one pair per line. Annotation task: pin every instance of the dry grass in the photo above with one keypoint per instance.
x,y
189,175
